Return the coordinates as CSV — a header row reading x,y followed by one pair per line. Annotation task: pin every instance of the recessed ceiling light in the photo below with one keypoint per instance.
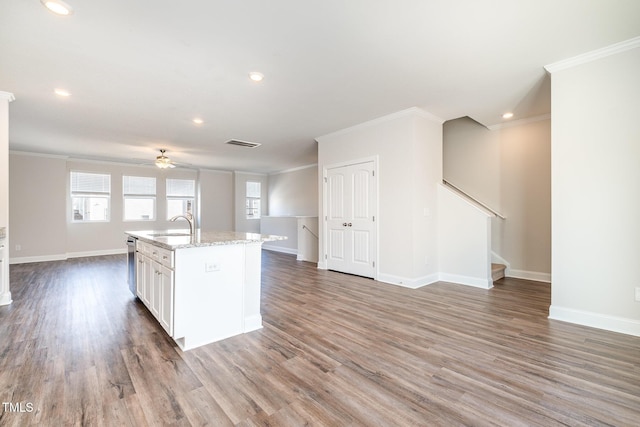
x,y
198,121
507,115
62,92
256,76
58,7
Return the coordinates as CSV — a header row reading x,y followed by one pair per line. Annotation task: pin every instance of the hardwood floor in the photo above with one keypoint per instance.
x,y
335,350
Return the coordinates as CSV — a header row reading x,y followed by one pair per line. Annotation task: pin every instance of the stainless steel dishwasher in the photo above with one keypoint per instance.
x,y
131,263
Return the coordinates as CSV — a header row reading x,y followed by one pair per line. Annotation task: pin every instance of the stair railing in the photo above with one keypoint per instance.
x,y
473,199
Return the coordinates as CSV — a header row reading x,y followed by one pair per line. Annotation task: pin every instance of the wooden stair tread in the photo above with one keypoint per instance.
x,y
497,271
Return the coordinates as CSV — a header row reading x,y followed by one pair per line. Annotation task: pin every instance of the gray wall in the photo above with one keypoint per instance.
x,y
39,206
509,170
294,192
596,192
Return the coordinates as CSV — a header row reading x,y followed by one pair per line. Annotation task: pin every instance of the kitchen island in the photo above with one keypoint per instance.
x,y
201,287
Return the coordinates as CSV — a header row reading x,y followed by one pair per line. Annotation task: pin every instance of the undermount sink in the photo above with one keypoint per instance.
x,y
169,234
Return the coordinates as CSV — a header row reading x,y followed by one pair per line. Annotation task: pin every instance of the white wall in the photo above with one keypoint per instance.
x,y
241,223
596,192
509,170
409,148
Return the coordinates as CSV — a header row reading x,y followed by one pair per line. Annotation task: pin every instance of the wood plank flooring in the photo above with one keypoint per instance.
x,y
335,350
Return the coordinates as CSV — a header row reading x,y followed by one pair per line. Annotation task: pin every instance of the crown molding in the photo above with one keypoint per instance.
x,y
7,96
413,111
593,55
520,122
294,169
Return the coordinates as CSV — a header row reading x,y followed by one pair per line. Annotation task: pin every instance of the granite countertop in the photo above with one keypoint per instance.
x,y
180,238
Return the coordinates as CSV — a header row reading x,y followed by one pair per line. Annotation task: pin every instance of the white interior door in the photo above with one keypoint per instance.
x,y
351,232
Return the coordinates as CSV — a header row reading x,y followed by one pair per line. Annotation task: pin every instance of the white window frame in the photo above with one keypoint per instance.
x,y
253,195
87,191
141,193
188,199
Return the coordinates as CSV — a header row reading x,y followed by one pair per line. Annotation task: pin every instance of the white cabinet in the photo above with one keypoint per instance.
x,y
166,289
155,283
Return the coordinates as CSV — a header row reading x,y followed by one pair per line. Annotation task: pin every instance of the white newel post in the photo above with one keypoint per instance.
x,y
5,292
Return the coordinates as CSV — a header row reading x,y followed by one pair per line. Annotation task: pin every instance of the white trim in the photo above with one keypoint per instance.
x,y
42,258
280,249
33,154
5,298
7,96
413,111
596,320
293,169
593,55
520,122
322,265
528,275
406,282
466,280
63,257
252,323
96,253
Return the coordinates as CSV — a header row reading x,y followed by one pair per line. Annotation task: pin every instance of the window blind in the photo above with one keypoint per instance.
x,y
90,183
253,189
181,187
139,186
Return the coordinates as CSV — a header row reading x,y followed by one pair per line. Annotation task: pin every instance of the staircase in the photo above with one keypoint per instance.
x,y
497,271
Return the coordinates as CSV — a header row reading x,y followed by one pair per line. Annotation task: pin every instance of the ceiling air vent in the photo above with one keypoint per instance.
x,y
246,144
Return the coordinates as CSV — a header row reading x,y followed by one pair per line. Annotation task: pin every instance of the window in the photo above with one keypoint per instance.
x,y
253,200
181,195
139,198
90,196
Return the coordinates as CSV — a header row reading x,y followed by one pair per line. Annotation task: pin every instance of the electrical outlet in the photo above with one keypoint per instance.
x,y
210,266
638,294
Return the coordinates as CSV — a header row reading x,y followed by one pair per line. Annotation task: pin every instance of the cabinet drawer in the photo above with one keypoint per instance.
x,y
143,248
163,256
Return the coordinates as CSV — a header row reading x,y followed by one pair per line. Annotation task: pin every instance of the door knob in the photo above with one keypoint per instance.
x,y
344,224
349,224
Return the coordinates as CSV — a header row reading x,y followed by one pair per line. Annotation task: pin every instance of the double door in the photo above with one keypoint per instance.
x,y
350,220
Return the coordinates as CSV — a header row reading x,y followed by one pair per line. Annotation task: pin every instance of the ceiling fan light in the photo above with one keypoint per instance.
x,y
163,162
58,7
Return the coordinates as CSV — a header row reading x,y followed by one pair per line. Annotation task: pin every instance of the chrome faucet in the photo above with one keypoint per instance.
x,y
189,218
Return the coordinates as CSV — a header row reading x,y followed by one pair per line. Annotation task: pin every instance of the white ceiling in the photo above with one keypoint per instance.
x,y
140,71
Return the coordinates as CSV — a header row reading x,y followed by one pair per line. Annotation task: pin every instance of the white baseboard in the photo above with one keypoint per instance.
x,y
322,265
596,320
42,258
301,257
252,323
466,280
407,282
280,249
96,253
62,257
528,275
5,298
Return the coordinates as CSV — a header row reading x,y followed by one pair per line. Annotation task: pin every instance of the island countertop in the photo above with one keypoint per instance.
x,y
179,238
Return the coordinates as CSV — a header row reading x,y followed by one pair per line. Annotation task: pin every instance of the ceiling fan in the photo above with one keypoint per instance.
x,y
163,162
